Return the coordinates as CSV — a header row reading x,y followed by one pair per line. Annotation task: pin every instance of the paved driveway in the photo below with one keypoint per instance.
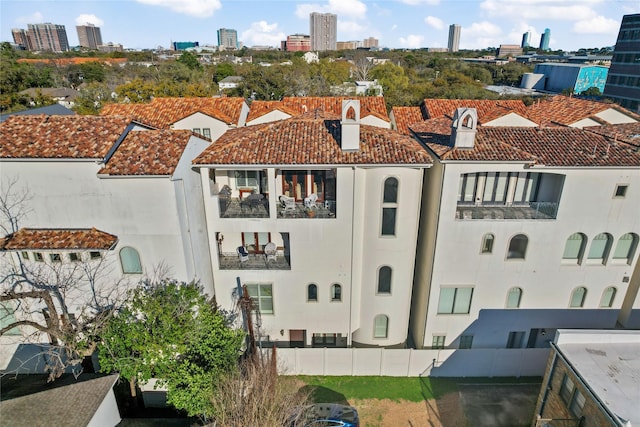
x,y
499,405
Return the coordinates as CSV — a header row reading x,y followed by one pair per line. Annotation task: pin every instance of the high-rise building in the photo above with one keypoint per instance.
x,y
48,36
544,39
298,43
89,36
21,38
323,28
454,37
526,40
623,80
228,38
370,42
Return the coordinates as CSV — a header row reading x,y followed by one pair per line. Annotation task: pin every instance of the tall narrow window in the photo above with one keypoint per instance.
x,y
455,300
513,297
487,243
206,132
336,292
437,342
389,207
577,297
518,247
7,317
600,247
626,247
130,260
607,297
384,280
574,248
312,293
380,326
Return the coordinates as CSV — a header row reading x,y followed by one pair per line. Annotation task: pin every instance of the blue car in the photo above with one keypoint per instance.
x,y
326,415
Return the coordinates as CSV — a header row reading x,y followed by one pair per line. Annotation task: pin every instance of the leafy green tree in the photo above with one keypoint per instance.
x,y
393,80
92,98
189,59
223,70
171,331
592,91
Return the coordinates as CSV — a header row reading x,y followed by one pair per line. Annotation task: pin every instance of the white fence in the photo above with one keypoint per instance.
x,y
489,362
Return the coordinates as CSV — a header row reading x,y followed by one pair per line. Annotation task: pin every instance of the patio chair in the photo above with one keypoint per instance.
x,y
243,255
288,203
310,202
270,250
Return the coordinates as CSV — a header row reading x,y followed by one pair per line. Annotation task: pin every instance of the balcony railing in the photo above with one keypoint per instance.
x,y
322,210
248,207
231,261
533,210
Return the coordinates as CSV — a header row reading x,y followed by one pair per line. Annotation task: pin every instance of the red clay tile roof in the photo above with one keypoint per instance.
x,y
405,116
369,106
260,108
551,146
163,112
311,139
488,109
148,152
48,238
565,110
625,132
59,137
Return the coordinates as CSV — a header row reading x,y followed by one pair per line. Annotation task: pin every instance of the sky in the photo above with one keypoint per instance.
x,y
412,24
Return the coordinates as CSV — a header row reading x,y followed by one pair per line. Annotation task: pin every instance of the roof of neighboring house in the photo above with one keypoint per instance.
x,y
405,116
369,106
56,238
260,108
29,400
150,152
60,137
51,110
561,110
53,92
231,79
552,146
625,132
313,138
163,112
488,109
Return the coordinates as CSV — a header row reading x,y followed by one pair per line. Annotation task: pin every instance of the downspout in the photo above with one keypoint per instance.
x,y
353,206
547,389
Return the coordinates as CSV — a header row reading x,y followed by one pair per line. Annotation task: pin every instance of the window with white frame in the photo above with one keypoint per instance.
x,y
38,256
516,339
626,247
600,246
262,296
466,341
577,297
197,131
517,247
389,207
574,248
246,178
608,296
206,132
384,280
455,300
487,243
130,261
55,257
437,342
336,292
380,326
312,293
25,255
95,255
513,297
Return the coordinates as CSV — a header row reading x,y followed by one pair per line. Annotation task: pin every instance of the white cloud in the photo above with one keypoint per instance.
x,y
419,2
394,27
197,8
412,41
348,8
86,18
262,33
34,18
434,22
480,35
350,29
565,10
597,25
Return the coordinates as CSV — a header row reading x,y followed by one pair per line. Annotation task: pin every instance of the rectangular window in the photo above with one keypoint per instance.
x,y
262,296
74,256
467,189
38,256
516,339
566,389
25,255
577,404
197,130
246,179
325,340
438,341
388,221
95,255
621,190
7,317
206,132
455,300
466,341
55,257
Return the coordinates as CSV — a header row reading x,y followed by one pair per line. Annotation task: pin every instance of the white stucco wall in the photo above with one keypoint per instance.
x,y
200,121
511,119
271,116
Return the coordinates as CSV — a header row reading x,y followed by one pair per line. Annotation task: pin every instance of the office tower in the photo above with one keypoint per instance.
x,y
228,38
89,36
370,42
298,43
526,39
323,28
48,36
623,80
21,38
454,37
544,39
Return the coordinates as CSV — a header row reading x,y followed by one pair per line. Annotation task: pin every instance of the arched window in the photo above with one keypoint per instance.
x,y
336,292
513,297
577,297
384,280
600,247
607,297
487,243
518,247
312,292
626,247
574,248
380,326
130,260
389,207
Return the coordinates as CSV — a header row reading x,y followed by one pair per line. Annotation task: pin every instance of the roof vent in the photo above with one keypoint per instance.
x,y
463,129
350,125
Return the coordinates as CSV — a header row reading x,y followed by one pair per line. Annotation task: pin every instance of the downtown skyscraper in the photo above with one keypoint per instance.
x,y
323,28
42,37
89,36
544,39
454,37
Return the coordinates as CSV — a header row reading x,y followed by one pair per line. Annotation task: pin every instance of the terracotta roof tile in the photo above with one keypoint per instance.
x,y
564,110
626,132
56,137
260,108
312,139
405,116
163,112
150,152
488,109
48,238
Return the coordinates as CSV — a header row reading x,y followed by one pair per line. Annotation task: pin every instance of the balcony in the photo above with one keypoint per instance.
x,y
251,250
231,261
528,211
294,209
250,206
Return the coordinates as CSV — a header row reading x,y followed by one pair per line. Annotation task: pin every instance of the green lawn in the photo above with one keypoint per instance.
x,y
413,389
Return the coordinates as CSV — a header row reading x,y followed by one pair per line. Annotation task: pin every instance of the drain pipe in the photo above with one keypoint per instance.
x,y
547,387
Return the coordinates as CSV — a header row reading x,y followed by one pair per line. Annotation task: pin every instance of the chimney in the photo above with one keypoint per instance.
x,y
350,125
463,129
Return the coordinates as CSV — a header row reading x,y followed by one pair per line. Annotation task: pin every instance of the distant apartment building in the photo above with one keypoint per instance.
x,y
89,36
21,38
323,28
623,82
506,50
351,45
526,39
454,37
544,39
47,36
228,38
370,42
184,45
297,43
110,47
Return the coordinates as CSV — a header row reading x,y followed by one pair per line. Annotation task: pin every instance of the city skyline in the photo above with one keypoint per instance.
x,y
396,24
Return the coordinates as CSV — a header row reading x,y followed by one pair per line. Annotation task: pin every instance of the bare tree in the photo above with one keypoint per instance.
x,y
361,67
